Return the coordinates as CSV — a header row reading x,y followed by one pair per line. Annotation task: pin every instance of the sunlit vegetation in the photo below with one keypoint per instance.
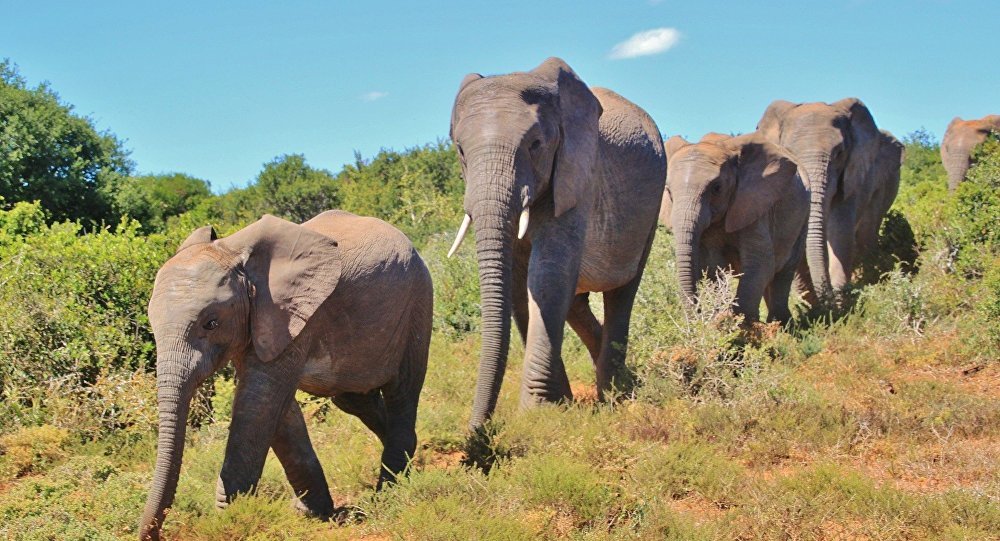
x,y
882,422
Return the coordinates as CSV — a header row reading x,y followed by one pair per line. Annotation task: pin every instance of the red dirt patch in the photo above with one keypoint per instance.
x,y
585,393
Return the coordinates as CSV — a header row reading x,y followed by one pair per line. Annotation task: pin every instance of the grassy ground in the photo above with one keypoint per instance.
x,y
884,424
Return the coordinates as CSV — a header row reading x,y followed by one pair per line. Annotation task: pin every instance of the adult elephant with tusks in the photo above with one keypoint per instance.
x,y
563,187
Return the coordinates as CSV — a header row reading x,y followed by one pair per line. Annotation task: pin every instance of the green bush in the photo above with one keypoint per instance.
x,y
896,245
418,190
456,286
73,310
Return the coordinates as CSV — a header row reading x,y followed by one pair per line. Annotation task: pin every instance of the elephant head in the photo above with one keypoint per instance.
x,y
215,301
835,144
960,139
526,141
724,182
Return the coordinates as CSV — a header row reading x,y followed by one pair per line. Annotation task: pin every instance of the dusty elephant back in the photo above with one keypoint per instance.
x,y
367,244
380,311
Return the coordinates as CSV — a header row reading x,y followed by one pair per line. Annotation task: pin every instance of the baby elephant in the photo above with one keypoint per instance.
x,y
738,202
339,306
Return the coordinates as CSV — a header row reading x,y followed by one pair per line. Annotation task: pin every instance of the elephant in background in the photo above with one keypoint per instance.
x,y
339,306
836,145
961,137
563,184
737,202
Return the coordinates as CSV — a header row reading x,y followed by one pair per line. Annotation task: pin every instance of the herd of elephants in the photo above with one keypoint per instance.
x,y
565,185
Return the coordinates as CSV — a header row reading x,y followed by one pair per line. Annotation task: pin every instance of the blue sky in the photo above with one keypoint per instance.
x,y
215,89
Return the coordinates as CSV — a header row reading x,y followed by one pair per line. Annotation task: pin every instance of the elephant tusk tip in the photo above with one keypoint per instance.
x,y
462,230
522,224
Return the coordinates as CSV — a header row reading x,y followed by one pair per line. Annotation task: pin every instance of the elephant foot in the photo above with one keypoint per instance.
x,y
318,512
534,397
221,500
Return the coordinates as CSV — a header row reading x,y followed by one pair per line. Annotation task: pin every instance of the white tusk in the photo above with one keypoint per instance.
x,y
522,224
462,230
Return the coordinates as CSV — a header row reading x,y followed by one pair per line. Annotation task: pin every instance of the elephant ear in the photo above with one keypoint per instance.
x,y
674,144
865,140
770,123
666,207
466,81
202,235
885,172
766,174
293,270
580,113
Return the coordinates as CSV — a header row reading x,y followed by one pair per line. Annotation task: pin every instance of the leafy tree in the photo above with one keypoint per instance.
x,y
51,155
418,190
151,199
287,187
290,188
923,159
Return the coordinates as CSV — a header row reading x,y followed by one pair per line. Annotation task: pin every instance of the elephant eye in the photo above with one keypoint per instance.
x,y
211,324
716,188
534,146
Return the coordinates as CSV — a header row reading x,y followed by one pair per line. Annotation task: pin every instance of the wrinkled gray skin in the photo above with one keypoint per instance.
x,y
961,137
737,202
593,183
836,145
339,306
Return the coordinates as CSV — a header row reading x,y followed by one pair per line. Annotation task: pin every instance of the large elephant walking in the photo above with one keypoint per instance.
x,y
837,145
339,306
563,184
737,202
960,139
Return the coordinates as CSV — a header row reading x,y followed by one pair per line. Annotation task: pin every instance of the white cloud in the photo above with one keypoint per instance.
x,y
373,95
645,43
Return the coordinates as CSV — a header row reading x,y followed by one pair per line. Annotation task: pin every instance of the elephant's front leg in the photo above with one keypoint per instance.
x,y
553,272
263,393
295,452
756,251
840,240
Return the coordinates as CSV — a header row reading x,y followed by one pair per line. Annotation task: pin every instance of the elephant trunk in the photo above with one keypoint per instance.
x,y
492,179
175,387
817,167
957,166
690,218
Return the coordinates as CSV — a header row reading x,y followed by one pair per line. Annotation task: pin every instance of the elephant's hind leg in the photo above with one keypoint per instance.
x,y
401,399
583,322
777,293
295,452
610,365
369,407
